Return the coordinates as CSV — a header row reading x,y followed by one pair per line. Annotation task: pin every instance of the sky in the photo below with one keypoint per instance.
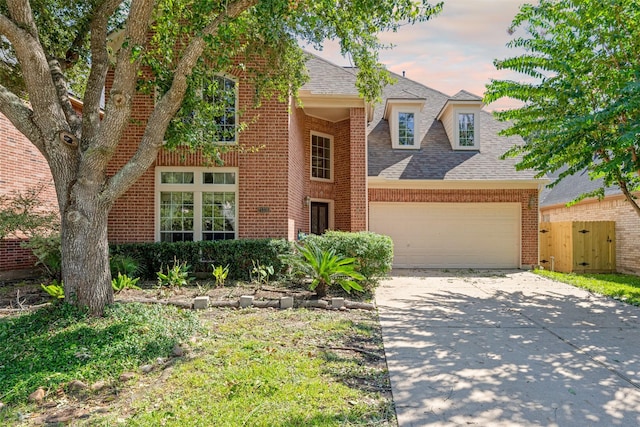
x,y
453,51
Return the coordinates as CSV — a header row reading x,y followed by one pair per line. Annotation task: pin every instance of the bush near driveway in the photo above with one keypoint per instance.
x,y
373,252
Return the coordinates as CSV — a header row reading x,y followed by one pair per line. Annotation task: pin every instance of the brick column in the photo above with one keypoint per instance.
x,y
358,170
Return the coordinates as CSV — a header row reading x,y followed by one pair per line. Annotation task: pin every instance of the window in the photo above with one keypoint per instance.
x,y
221,94
321,156
196,204
466,129
406,129
403,116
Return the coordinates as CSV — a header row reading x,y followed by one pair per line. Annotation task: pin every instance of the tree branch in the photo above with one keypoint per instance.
x,y
60,83
97,75
167,107
21,117
23,36
118,108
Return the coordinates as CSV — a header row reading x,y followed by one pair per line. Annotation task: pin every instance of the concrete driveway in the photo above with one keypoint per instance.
x,y
508,348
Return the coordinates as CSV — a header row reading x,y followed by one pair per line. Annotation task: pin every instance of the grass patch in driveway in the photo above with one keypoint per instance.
x,y
623,287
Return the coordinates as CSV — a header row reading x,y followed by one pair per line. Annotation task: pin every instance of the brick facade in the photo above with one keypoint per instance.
x,y
272,182
613,208
526,197
23,167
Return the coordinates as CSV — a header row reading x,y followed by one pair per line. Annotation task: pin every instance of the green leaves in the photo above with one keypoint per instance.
x,y
326,268
581,107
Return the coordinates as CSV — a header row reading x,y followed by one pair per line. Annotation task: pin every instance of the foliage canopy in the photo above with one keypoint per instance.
x,y
582,93
164,49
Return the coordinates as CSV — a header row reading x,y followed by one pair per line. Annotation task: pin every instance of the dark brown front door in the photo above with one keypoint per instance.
x,y
319,217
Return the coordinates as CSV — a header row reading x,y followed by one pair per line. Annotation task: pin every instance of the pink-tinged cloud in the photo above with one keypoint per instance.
x,y
453,51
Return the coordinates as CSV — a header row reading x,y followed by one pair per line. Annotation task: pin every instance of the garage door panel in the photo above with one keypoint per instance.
x,y
451,235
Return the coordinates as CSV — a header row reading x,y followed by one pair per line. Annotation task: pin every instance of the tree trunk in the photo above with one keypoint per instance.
x,y
321,289
85,255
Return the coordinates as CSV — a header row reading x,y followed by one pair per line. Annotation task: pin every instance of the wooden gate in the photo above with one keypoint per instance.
x,y
578,246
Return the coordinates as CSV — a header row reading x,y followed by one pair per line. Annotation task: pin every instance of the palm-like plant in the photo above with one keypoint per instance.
x,y
325,268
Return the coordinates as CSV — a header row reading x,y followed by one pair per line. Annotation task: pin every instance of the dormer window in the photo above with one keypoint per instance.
x,y
466,129
460,117
406,129
403,116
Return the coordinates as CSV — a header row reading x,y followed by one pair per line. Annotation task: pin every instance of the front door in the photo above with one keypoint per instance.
x,y
319,217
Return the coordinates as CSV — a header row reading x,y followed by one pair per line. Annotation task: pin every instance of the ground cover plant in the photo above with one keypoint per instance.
x,y
623,287
240,367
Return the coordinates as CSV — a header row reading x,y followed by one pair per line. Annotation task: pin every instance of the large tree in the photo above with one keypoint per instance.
x,y
49,47
581,98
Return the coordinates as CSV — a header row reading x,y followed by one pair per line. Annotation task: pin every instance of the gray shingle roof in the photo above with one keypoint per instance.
x,y
329,79
436,159
463,95
571,187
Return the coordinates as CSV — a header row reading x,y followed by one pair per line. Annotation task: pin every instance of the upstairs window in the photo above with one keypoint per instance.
x,y
406,129
403,116
221,95
466,129
321,157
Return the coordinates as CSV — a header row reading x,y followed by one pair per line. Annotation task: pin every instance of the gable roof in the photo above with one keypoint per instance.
x,y
436,160
326,78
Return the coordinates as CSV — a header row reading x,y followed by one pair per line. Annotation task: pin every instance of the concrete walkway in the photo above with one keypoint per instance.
x,y
508,349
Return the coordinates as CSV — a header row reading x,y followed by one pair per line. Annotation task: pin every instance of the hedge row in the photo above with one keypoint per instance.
x,y
373,252
238,254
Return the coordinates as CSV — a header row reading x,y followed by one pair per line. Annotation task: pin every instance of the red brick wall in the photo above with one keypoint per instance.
x,y
22,167
358,170
529,214
262,182
616,209
131,218
298,174
348,189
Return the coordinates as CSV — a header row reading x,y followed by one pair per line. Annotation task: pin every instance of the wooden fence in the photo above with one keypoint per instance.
x,y
578,246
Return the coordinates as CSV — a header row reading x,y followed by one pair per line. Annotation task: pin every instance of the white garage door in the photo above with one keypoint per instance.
x,y
450,235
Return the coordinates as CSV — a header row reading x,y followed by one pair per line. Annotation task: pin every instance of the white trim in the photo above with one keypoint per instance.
x,y
331,155
197,187
476,129
331,225
392,111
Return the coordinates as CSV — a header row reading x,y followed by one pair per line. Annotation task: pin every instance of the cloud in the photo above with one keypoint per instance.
x,y
452,51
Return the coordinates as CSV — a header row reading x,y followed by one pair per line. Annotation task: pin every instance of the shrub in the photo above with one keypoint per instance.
x,y
49,253
122,281
124,264
55,290
238,254
176,276
220,274
325,268
373,252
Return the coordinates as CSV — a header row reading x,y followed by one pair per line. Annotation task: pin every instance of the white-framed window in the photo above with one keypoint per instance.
x,y
222,94
466,130
404,127
321,156
196,204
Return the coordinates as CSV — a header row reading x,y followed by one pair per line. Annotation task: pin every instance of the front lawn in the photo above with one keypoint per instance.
x,y
622,287
259,367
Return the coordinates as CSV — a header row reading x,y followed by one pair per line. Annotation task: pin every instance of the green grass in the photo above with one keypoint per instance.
x,y
622,287
270,368
60,343
257,367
